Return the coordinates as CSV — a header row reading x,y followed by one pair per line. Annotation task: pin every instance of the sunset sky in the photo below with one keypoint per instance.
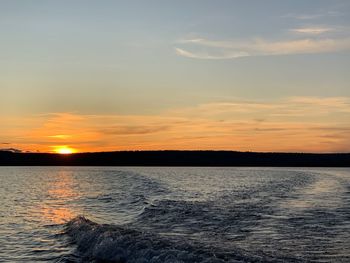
x,y
201,75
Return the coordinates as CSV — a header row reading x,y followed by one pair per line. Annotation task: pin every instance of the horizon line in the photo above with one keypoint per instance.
x,y
170,150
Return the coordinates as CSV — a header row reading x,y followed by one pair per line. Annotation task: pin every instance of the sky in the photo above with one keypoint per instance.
x,y
154,75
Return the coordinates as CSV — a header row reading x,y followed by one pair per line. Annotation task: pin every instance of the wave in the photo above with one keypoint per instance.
x,y
113,243
168,230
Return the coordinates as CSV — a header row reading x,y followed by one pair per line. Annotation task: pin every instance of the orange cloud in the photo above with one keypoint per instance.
x,y
302,124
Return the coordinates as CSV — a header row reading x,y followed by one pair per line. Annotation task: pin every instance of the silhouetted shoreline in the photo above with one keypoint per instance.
x,y
176,158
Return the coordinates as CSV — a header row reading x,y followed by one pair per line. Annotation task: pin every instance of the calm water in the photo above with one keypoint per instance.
x,y
174,214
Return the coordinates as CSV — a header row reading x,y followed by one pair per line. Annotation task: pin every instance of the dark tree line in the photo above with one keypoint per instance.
x,y
177,158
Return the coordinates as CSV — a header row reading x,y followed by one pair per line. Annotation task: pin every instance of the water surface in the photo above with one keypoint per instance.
x,y
174,214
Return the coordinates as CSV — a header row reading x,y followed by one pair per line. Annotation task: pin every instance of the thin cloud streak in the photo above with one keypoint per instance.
x,y
286,124
134,130
259,47
312,30
60,136
201,55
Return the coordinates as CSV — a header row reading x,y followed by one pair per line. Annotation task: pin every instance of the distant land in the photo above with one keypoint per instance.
x,y
176,158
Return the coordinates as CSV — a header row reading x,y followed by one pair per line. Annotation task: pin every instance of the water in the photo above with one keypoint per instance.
x,y
113,214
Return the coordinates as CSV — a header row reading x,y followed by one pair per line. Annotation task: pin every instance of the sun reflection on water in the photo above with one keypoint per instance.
x,y
61,191
57,215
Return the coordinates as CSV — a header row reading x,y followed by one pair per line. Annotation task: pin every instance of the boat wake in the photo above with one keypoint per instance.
x,y
276,218
112,243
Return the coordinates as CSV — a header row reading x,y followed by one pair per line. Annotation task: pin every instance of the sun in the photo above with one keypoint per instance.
x,y
64,150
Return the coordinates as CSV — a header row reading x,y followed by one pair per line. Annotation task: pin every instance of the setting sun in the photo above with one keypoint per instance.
x,y
64,150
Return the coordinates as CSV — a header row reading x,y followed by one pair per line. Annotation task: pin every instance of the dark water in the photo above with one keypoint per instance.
x,y
94,214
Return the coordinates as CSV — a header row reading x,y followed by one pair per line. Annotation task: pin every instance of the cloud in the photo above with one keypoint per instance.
x,y
302,108
285,124
204,55
134,130
210,49
14,150
312,30
60,136
334,102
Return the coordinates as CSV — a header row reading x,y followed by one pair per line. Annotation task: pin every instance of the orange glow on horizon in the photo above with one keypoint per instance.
x,y
290,124
64,149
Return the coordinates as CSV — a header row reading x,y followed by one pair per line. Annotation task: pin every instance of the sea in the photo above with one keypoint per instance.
x,y
174,214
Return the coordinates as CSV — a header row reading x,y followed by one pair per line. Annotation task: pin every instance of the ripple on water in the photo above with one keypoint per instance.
x,y
168,214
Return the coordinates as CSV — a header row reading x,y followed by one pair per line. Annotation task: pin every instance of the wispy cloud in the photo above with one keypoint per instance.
x,y
134,130
60,136
285,124
312,30
215,55
211,49
303,108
